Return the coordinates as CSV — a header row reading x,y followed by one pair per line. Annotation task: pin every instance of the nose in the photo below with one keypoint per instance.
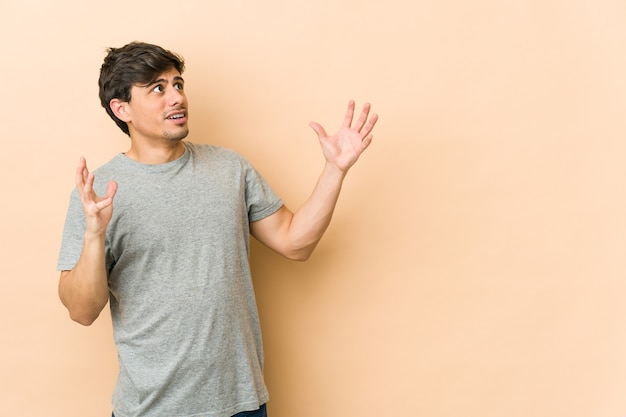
x,y
175,96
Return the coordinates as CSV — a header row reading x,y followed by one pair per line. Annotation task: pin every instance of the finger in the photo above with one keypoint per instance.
x,y
104,203
367,140
347,121
111,189
362,118
88,193
80,170
321,133
369,126
85,170
82,179
107,200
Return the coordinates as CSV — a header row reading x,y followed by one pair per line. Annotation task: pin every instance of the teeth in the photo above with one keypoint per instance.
x,y
176,116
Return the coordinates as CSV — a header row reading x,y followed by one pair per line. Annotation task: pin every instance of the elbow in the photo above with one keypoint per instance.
x,y
82,314
83,309
299,255
78,314
83,318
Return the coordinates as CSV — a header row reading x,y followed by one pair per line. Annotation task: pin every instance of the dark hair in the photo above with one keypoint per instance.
x,y
134,63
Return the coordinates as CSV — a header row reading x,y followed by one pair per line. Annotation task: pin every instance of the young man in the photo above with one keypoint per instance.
x,y
162,233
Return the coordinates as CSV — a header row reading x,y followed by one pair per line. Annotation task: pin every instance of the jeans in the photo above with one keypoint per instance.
x,y
261,412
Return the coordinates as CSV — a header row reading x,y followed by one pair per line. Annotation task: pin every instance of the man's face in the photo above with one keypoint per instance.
x,y
158,111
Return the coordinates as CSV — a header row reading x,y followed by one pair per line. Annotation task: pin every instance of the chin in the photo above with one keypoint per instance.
x,y
176,137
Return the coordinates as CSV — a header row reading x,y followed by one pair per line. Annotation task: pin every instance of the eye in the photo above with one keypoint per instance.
x,y
178,86
158,88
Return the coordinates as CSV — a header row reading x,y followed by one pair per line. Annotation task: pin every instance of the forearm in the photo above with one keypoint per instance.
x,y
312,219
84,290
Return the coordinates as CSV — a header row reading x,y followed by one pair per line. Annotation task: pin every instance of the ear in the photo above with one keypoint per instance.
x,y
120,109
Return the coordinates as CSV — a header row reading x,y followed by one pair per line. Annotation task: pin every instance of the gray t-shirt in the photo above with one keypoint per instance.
x,y
185,319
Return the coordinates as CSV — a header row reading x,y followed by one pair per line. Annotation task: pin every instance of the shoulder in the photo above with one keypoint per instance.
x,y
112,165
106,172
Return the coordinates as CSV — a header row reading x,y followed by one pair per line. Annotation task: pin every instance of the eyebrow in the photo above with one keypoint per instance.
x,y
163,80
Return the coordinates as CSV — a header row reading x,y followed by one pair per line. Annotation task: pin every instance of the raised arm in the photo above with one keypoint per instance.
x,y
296,235
84,290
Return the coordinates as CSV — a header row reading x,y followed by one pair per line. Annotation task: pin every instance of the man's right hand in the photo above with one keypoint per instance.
x,y
98,210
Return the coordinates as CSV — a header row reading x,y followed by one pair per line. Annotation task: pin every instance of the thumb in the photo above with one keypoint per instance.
x,y
321,133
111,189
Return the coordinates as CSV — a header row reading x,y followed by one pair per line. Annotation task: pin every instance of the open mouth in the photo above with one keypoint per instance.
x,y
176,116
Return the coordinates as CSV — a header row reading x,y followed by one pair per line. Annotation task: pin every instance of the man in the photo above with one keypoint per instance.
x,y
162,233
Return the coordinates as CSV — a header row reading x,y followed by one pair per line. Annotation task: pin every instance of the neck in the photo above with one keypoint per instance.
x,y
156,154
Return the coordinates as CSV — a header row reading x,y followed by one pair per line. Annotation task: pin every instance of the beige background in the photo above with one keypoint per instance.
x,y
475,265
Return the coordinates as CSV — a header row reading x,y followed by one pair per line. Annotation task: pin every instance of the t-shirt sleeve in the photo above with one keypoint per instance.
x,y
73,235
261,199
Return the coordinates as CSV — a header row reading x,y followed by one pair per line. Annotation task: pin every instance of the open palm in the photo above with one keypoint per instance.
x,y
344,147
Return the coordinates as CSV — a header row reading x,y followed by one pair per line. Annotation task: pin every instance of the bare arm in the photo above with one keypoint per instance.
x,y
84,290
296,235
